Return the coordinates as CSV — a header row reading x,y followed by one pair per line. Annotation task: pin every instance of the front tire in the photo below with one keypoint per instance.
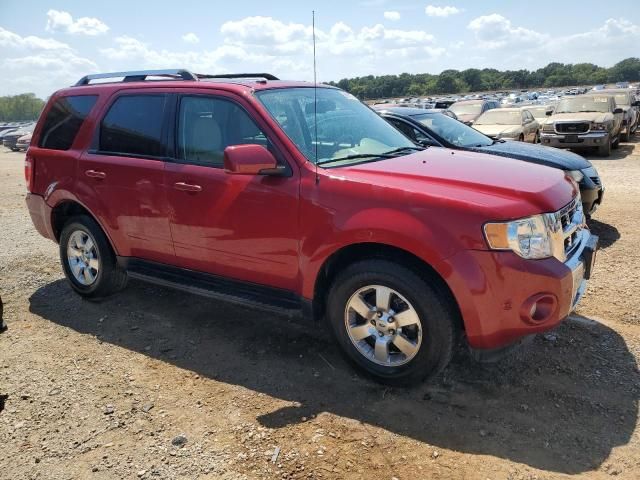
x,y
625,136
605,150
88,260
391,323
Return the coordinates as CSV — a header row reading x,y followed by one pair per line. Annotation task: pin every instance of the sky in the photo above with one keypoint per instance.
x,y
49,44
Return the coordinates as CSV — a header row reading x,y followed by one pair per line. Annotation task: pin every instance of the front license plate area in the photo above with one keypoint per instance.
x,y
571,139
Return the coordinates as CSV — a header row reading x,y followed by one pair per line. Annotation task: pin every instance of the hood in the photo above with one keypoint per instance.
x,y
495,130
468,117
498,187
599,117
551,157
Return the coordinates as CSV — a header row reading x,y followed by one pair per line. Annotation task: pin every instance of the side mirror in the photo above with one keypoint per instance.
x,y
548,113
618,110
250,160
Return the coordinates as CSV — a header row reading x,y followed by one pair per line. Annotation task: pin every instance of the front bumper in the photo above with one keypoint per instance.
x,y
581,140
494,291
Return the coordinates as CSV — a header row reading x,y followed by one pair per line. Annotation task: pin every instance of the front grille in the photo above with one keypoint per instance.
x,y
575,127
572,221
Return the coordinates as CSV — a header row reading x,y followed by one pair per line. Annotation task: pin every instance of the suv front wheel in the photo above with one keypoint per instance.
x,y
88,261
390,322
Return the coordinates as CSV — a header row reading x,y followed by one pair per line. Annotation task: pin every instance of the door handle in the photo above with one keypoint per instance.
x,y
187,187
95,174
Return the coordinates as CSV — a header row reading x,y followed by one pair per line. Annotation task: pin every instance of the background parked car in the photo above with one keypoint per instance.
x,y
584,121
468,111
23,142
10,139
626,100
509,124
435,128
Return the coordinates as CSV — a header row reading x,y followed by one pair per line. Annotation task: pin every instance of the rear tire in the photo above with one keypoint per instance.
x,y
88,260
605,150
409,340
521,138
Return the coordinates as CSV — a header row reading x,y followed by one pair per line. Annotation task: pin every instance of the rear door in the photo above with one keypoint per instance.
x,y
237,226
121,177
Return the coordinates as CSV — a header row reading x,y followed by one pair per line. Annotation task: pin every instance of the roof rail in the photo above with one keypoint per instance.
x,y
140,75
265,76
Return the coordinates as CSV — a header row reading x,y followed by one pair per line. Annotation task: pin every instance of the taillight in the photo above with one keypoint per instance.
x,y
29,171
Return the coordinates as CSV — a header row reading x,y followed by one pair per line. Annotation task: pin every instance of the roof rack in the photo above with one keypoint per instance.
x,y
140,75
265,76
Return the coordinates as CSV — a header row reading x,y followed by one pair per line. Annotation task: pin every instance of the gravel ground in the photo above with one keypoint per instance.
x,y
154,383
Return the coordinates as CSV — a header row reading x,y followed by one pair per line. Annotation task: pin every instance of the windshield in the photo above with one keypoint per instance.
x,y
622,99
453,131
539,112
345,126
500,117
466,108
583,104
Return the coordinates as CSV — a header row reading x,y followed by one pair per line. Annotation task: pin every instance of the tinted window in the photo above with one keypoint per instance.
x,y
207,126
63,121
133,126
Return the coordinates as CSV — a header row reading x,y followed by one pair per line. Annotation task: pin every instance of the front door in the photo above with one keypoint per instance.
x,y
238,226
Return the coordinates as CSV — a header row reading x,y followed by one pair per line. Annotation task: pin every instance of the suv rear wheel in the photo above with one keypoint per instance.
x,y
390,322
88,260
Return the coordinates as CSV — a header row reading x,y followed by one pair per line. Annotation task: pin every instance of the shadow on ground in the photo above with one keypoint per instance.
x,y
623,151
607,234
562,405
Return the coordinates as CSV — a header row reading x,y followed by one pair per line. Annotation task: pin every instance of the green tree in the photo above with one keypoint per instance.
x,y
25,106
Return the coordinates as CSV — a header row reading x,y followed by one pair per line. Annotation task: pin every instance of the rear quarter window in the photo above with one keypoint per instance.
x,y
63,121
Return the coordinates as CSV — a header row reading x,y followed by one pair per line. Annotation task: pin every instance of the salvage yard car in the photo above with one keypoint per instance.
x,y
509,124
432,128
625,99
219,185
468,111
584,121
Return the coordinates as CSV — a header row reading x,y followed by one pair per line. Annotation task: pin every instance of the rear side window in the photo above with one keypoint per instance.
x,y
133,126
63,121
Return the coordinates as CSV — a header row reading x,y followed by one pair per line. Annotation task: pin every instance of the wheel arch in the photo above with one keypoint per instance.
x,y
67,209
352,253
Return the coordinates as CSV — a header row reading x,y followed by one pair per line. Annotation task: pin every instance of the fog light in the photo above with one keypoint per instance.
x,y
597,140
539,308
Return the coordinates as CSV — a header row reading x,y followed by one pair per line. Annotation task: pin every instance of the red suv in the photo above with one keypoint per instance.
x,y
302,200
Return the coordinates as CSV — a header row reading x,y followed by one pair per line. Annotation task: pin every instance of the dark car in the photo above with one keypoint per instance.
x,y
10,140
435,129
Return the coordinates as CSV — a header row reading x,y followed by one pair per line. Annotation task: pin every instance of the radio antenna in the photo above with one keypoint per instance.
x,y
315,93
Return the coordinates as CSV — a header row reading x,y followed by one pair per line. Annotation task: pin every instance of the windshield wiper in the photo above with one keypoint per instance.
x,y
389,154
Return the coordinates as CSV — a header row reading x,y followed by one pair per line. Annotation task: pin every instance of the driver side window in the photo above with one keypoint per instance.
x,y
413,133
207,125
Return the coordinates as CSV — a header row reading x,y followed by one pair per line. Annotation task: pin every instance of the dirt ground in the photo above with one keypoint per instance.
x,y
154,383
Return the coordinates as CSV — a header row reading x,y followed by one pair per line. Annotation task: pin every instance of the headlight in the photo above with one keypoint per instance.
x,y
598,126
577,175
529,237
548,128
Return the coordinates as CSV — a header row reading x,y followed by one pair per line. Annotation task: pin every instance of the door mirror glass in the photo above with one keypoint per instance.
x,y
250,159
618,110
548,113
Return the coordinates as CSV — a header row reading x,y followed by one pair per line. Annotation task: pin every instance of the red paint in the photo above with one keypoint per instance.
x,y
279,231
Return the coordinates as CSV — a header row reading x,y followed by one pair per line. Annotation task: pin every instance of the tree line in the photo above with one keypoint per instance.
x,y
25,106
478,80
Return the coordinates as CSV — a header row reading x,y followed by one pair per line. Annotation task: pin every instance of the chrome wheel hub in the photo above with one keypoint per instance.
x,y
82,257
383,326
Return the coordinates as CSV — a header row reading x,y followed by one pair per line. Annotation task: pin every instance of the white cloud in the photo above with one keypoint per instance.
x,y
433,11
190,38
392,15
39,65
495,31
60,21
